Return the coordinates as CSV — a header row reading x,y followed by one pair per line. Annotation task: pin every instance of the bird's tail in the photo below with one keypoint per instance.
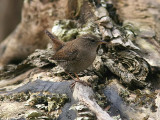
x,y
57,44
49,34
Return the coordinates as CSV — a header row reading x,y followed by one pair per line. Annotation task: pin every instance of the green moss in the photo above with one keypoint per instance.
x,y
56,101
144,99
47,101
19,97
34,115
67,30
124,93
140,98
101,99
47,105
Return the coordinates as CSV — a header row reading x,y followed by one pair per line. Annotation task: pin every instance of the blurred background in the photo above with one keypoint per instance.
x,y
10,15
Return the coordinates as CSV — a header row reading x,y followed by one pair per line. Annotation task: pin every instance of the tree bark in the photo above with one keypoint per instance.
x,y
124,80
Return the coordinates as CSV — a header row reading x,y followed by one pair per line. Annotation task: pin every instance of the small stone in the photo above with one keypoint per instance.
x,y
109,25
100,52
116,33
106,33
101,12
105,19
41,106
103,3
117,41
130,44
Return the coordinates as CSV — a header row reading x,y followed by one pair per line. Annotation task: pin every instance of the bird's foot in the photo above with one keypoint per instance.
x,y
82,82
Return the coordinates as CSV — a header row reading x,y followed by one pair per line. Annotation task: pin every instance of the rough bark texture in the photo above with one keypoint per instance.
x,y
124,76
29,34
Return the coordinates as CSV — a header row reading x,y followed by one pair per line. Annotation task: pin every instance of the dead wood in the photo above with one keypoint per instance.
x,y
121,75
85,95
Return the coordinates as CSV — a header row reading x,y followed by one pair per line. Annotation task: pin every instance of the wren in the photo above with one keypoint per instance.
x,y
75,55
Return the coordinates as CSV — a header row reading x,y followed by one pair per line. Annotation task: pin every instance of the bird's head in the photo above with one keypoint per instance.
x,y
90,40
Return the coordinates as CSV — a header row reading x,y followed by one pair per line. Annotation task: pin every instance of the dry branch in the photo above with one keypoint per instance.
x,y
85,95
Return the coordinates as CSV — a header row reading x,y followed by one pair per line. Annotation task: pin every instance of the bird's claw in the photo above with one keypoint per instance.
x,y
82,82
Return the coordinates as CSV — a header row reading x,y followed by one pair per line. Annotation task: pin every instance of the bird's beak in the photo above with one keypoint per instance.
x,y
102,42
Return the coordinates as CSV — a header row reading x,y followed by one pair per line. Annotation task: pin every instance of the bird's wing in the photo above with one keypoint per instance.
x,y
65,55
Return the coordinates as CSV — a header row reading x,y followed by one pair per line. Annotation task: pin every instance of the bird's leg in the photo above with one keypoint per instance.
x,y
77,80
73,84
70,75
83,82
77,76
73,77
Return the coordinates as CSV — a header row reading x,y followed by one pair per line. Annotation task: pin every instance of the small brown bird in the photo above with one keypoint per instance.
x,y
76,55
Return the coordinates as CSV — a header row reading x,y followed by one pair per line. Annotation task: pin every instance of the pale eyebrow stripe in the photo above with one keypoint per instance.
x,y
89,38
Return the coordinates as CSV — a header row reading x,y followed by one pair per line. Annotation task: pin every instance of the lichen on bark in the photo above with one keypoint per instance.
x,y
120,76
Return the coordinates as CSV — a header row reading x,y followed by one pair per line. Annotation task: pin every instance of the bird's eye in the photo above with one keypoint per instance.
x,y
92,40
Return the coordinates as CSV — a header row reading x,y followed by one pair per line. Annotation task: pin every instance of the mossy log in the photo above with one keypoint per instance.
x,y
124,81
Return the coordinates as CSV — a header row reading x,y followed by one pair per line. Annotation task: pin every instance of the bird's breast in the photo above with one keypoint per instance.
x,y
83,61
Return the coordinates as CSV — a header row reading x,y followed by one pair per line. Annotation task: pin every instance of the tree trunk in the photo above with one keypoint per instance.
x,y
10,14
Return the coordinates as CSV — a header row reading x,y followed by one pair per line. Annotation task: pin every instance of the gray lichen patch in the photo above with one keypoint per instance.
x,y
19,97
68,29
65,29
101,99
48,101
140,98
38,115
46,105
146,99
